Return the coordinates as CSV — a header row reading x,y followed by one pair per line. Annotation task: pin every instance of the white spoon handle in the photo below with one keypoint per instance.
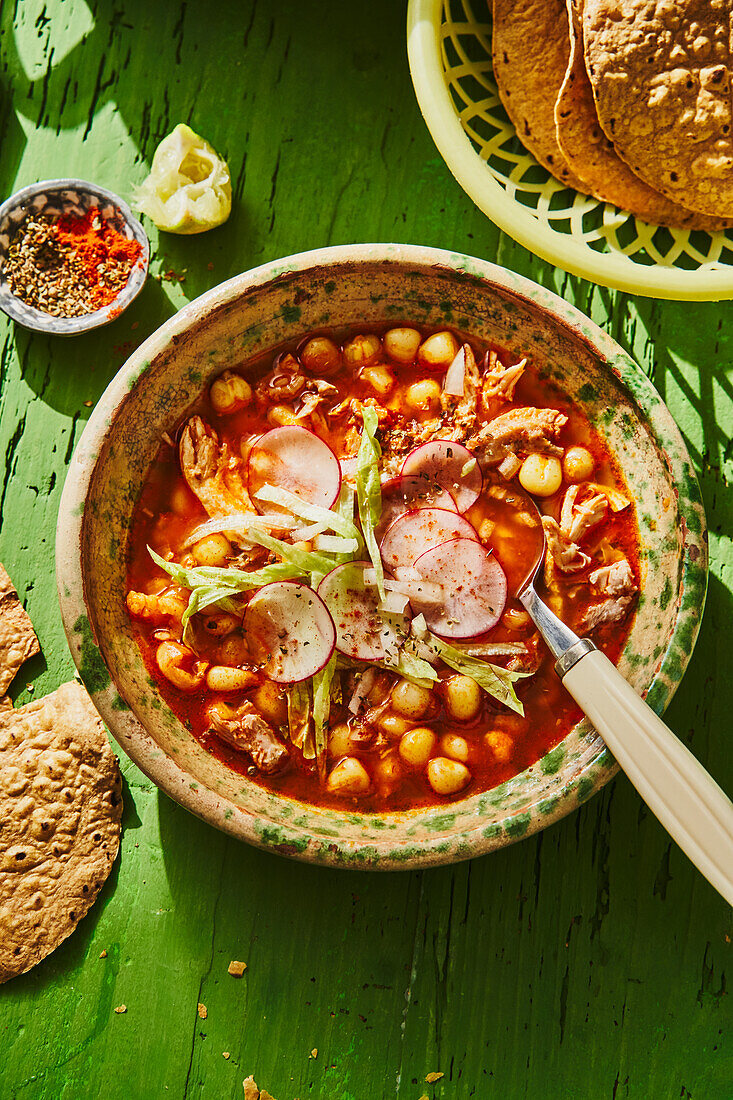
x,y
688,802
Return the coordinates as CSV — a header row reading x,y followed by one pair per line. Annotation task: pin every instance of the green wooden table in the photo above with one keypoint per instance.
x,y
588,961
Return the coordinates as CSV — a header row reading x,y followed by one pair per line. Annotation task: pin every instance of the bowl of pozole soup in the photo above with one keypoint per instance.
x,y
290,549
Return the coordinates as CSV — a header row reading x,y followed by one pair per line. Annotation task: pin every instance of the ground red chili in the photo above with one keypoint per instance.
x,y
69,266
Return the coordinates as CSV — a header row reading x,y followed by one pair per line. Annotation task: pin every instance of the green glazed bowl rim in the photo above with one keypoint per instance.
x,y
291,839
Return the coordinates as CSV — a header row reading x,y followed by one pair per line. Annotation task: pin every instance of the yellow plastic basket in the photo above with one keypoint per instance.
x,y
449,48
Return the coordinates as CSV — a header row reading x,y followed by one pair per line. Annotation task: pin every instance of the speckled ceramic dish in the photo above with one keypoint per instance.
x,y
283,300
56,198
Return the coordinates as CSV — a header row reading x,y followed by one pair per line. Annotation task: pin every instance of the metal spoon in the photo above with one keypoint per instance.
x,y
675,786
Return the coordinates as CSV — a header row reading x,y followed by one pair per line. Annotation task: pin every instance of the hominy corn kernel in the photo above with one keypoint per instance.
x,y
233,650
212,550
462,697
394,725
379,378
271,702
348,777
454,746
411,700
230,392
223,678
541,475
280,415
362,350
416,747
438,351
501,745
423,396
514,619
339,740
401,344
578,463
447,776
320,355
388,774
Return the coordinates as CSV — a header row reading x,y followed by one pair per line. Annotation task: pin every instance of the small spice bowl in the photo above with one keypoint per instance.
x,y
70,198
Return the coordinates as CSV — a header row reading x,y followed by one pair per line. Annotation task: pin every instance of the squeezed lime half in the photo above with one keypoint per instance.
x,y
189,189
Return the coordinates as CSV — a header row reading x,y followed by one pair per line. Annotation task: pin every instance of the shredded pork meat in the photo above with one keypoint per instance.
x,y
616,579
213,472
246,730
500,381
461,412
612,610
518,430
582,509
562,553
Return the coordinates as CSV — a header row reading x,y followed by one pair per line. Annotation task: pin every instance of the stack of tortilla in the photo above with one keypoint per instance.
x,y
625,100
60,804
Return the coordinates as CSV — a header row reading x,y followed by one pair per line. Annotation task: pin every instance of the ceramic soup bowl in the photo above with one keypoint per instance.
x,y
281,301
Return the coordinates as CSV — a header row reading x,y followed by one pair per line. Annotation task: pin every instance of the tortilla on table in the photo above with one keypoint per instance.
x,y
592,156
660,74
60,810
530,50
18,639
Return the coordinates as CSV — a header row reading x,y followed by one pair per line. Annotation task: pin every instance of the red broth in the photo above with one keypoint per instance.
x,y
499,743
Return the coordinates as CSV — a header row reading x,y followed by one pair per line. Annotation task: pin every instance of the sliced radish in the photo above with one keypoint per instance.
x,y
405,494
415,532
289,631
361,632
474,586
295,459
450,465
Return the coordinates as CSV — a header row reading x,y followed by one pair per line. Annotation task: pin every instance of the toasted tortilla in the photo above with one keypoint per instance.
x,y
591,155
660,75
530,51
18,639
60,811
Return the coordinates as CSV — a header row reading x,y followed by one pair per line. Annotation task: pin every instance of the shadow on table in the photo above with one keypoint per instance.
x,y
64,372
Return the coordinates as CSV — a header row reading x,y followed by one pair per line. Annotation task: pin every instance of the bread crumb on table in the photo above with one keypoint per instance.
x,y
236,968
120,1009
202,1010
434,1076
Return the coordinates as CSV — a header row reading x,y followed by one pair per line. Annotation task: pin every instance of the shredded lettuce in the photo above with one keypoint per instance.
x,y
321,712
211,586
273,494
495,681
299,718
345,503
334,544
306,560
369,490
240,524
202,598
239,580
412,668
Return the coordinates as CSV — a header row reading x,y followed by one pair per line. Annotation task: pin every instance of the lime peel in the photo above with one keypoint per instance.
x,y
189,189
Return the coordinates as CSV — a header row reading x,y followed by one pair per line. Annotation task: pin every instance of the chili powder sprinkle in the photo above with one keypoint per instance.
x,y
69,266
